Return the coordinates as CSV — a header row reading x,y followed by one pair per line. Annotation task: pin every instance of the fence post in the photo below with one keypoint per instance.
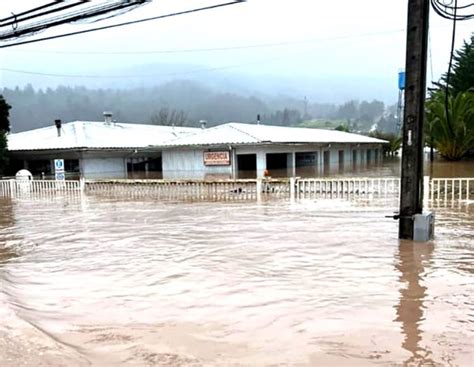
x,y
82,184
292,187
12,187
426,189
259,189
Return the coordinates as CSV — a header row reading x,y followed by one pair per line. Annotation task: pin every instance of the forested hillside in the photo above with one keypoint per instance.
x,y
181,103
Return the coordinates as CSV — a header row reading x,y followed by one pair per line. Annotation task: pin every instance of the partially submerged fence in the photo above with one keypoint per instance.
x,y
436,189
445,189
43,187
340,187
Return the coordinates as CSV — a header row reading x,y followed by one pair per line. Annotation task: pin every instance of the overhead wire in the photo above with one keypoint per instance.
x,y
217,49
201,70
82,14
448,75
29,11
195,10
17,18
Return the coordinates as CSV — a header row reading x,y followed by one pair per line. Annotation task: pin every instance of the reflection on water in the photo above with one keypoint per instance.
x,y
114,282
412,262
390,167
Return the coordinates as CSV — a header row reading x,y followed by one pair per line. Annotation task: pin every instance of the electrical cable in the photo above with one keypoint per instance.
x,y
30,11
17,19
82,14
217,49
447,11
195,10
448,75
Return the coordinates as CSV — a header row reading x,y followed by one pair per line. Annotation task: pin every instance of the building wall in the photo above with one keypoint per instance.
x,y
98,168
189,164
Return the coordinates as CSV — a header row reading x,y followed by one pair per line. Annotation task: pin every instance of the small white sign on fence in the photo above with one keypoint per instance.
x,y
59,170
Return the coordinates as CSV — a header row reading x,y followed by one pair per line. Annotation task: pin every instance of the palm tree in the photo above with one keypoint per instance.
x,y
452,137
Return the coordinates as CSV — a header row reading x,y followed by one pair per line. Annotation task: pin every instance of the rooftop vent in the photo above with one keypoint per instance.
x,y
108,118
58,126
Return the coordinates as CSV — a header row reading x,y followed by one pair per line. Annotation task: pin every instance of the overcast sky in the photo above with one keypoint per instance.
x,y
336,39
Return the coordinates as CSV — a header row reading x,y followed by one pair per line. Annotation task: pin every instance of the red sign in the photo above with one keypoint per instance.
x,y
217,158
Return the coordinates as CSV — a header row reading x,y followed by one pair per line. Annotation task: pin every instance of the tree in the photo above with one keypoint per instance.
x,y
4,115
452,138
343,128
462,72
168,117
4,129
394,142
348,110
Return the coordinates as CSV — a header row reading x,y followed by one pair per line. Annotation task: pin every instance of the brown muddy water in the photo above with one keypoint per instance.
x,y
106,282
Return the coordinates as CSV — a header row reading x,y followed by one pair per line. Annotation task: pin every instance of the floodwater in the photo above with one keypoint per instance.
x,y
105,282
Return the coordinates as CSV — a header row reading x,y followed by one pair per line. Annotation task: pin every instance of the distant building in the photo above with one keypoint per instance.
x,y
96,150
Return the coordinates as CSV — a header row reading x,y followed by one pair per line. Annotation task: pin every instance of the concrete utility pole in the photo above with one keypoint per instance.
x,y
411,198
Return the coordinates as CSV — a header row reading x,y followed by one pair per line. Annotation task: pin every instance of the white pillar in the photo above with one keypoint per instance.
x,y
259,189
292,187
261,163
426,189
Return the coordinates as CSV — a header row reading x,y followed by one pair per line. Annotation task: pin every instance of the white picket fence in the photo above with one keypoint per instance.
x,y
352,186
41,187
445,189
436,189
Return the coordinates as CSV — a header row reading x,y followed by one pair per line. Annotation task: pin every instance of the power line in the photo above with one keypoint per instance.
x,y
87,13
17,18
195,10
446,101
14,16
95,76
448,11
217,49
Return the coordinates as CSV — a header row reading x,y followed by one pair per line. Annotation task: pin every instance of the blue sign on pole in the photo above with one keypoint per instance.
x,y
401,80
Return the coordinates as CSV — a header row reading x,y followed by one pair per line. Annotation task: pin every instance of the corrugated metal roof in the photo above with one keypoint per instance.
x,y
98,135
95,135
238,133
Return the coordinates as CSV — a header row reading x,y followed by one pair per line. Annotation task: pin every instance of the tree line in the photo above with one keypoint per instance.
x,y
179,102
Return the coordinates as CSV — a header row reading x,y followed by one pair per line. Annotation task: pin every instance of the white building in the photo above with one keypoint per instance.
x,y
94,149
233,150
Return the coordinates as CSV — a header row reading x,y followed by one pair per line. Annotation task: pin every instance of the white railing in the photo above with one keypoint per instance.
x,y
451,189
185,189
354,186
436,189
21,187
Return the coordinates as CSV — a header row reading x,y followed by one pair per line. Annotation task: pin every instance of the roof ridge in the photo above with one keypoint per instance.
x,y
243,132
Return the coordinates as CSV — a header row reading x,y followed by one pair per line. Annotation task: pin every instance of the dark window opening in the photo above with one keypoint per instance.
x,y
145,167
306,164
40,168
354,160
369,156
277,164
341,161
327,162
247,165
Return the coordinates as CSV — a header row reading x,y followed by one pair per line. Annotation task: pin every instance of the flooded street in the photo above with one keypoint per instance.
x,y
95,281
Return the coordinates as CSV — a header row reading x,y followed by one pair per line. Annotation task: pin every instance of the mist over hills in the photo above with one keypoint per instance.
x,y
137,93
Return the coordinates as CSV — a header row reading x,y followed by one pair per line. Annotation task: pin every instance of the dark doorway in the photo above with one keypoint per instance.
x,y
145,167
327,162
341,161
247,165
354,160
306,164
277,164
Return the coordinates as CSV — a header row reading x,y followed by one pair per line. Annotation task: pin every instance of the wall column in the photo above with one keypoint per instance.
x,y
261,163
